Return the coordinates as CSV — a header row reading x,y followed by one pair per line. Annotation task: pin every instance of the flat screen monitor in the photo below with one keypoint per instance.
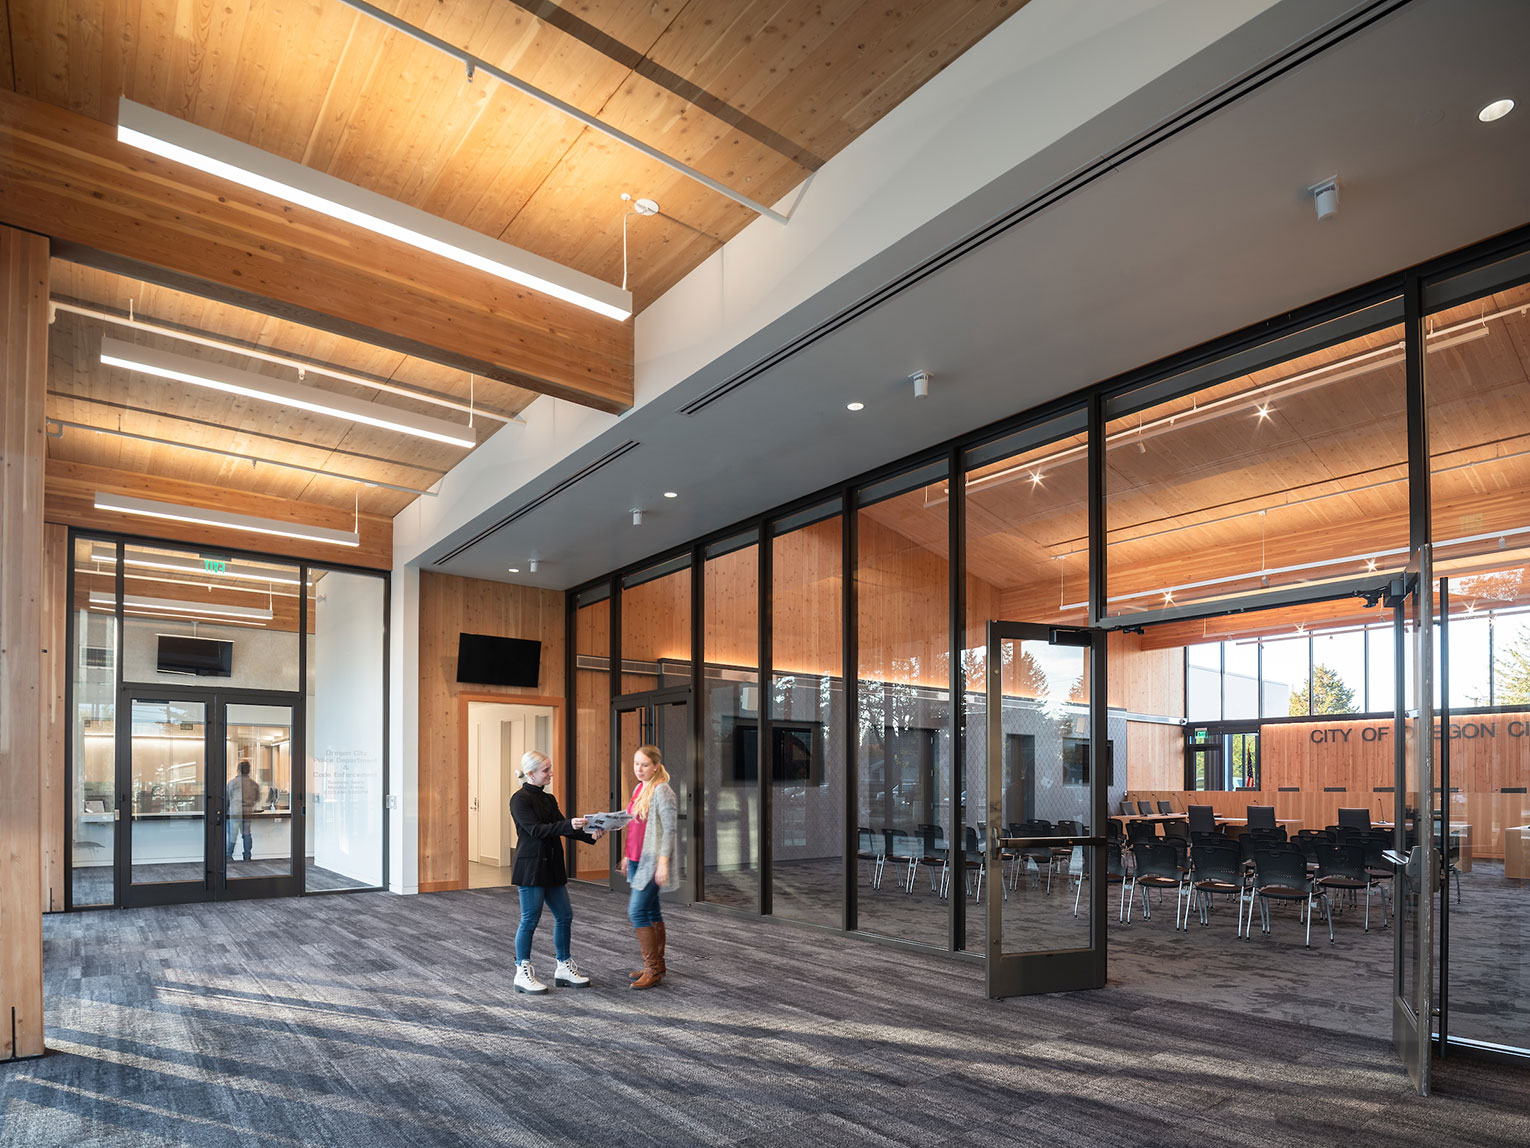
x,y
488,661
202,657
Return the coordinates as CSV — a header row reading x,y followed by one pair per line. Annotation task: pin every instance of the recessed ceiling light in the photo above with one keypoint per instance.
x,y
1495,111
855,406
671,494
513,569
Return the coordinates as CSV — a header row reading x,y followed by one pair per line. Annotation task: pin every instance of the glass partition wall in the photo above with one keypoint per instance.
x,y
1239,521
251,762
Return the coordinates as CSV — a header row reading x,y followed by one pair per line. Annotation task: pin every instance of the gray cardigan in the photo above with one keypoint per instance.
x,y
659,840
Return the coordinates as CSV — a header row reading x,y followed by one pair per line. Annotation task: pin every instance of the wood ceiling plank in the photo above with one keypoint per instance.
x,y
71,179
70,500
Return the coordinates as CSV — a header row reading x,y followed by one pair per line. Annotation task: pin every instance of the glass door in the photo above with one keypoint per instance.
x,y
255,803
163,776
660,718
1413,852
1035,850
205,797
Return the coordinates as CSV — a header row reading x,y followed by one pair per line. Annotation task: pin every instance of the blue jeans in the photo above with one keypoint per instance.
x,y
643,904
533,897
231,828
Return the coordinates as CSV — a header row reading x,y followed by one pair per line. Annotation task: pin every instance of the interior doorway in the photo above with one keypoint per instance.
x,y
498,735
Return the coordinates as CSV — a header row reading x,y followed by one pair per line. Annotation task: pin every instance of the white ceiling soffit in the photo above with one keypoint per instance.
x,y
1208,231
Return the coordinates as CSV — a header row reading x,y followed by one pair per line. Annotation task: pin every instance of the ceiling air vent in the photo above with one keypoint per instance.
x,y
526,508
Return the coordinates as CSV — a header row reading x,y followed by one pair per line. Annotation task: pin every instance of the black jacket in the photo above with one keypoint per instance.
x,y
540,825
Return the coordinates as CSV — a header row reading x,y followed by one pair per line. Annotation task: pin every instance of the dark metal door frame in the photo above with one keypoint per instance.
x,y
646,705
215,884
1061,970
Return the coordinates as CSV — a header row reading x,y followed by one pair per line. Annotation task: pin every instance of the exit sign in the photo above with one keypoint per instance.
x,y
215,565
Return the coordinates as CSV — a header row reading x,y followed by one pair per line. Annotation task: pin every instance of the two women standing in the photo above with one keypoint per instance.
x,y
542,876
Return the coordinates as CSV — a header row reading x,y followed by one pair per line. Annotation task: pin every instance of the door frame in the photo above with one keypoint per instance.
x,y
1414,864
646,702
215,884
1057,970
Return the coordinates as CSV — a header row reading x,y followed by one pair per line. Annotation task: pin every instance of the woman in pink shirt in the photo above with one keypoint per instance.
x,y
649,859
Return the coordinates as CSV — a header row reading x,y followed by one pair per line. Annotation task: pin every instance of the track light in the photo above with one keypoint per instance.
x,y
215,154
234,381
200,516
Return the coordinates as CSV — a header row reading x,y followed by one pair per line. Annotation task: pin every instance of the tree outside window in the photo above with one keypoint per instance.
x,y
1329,693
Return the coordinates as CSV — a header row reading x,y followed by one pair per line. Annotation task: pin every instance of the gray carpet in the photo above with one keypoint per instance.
x,y
379,1020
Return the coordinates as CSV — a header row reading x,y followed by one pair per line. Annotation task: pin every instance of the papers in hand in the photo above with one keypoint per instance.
x,y
607,822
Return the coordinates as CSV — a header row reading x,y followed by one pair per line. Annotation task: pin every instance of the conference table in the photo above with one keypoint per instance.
x,y
1237,826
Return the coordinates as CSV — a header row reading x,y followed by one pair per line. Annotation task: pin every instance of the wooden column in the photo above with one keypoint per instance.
x,y
23,694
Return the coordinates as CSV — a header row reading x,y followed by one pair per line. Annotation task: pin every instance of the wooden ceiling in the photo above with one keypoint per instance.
x,y
755,95
1204,497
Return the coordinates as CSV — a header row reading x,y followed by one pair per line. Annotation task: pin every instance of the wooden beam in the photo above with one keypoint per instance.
x,y
71,489
23,370
115,207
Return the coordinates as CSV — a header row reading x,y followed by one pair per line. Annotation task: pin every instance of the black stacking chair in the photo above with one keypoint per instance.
x,y
906,850
1141,831
1113,830
1063,854
1261,817
933,840
1176,829
1283,877
1039,855
1202,819
1357,818
1276,834
1218,869
872,849
1115,874
1343,867
1157,867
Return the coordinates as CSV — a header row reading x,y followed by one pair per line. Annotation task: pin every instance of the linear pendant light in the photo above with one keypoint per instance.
x,y
236,381
182,142
202,516
176,606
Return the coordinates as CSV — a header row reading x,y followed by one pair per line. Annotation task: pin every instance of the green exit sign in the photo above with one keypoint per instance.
x,y
215,565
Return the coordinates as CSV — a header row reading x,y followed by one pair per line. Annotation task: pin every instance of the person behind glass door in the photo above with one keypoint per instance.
x,y
540,872
649,860
242,798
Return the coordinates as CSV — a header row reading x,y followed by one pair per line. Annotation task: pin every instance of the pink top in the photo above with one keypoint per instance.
x,y
634,850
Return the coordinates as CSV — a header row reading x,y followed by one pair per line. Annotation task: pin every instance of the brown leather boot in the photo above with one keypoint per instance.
x,y
648,941
636,973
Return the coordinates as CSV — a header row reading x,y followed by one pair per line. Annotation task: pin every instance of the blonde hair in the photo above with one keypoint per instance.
x,y
532,759
660,776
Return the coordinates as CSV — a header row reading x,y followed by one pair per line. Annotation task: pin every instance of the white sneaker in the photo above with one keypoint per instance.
x,y
526,979
567,975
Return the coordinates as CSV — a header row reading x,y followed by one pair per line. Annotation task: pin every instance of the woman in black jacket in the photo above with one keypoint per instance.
x,y
541,874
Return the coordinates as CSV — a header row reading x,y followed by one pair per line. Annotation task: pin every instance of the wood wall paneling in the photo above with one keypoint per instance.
x,y
25,701
592,733
448,606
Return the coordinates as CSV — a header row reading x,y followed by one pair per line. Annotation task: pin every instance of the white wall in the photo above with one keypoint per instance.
x,y
263,659
345,789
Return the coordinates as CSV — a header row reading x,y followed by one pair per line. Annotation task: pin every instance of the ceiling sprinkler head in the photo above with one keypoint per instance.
x,y
533,565
921,380
637,517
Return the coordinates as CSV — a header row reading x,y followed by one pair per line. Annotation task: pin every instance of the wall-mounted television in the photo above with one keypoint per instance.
x,y
202,657
488,661
796,756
